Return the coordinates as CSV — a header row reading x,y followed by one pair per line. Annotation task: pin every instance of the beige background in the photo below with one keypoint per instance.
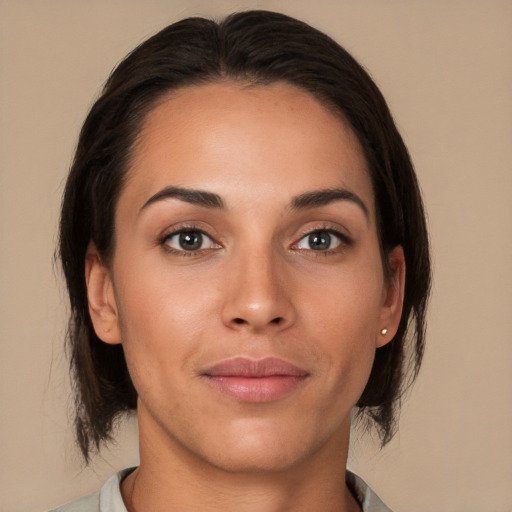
x,y
446,70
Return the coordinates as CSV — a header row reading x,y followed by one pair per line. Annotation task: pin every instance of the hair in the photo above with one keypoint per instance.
x,y
256,47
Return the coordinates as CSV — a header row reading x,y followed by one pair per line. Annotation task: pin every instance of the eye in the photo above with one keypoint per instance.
x,y
320,240
189,240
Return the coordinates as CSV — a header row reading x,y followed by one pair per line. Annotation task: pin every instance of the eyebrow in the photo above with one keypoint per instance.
x,y
323,197
197,197
312,199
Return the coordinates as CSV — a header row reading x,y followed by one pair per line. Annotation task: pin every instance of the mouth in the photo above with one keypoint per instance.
x,y
255,381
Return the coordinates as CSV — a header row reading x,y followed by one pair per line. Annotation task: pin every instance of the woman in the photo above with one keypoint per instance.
x,y
236,232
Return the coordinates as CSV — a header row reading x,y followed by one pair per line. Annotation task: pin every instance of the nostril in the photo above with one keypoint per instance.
x,y
276,321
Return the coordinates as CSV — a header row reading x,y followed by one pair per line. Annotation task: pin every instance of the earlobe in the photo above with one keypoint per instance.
x,y
101,299
393,297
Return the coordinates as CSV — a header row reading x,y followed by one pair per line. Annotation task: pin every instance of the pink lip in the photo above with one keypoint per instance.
x,y
255,381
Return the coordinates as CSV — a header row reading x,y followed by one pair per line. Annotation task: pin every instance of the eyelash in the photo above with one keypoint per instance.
x,y
343,241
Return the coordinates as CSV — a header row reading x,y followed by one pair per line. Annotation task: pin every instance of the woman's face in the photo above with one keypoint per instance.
x,y
246,284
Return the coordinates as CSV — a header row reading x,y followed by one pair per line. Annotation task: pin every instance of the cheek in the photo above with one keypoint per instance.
x,y
161,316
343,318
347,302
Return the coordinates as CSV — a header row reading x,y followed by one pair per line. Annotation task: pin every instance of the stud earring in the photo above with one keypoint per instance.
x,y
384,332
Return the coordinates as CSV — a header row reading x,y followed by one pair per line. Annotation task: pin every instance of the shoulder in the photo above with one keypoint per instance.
x,y
368,500
106,499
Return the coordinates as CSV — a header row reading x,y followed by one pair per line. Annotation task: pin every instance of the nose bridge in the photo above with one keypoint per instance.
x,y
257,297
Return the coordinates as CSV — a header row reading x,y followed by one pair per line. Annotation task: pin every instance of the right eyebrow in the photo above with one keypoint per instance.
x,y
188,195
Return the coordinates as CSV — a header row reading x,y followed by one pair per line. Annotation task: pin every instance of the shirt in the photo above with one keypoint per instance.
x,y
109,499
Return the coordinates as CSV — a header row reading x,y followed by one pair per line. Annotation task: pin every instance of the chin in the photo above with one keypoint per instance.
x,y
256,460
261,449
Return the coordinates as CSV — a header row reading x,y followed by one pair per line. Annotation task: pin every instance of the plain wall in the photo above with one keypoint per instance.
x,y
445,68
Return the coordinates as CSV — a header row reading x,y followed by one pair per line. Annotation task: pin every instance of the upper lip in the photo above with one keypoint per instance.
x,y
246,367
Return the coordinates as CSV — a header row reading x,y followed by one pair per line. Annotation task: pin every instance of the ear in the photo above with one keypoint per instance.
x,y
101,298
393,297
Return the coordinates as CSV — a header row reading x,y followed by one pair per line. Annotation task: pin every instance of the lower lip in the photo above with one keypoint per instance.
x,y
256,389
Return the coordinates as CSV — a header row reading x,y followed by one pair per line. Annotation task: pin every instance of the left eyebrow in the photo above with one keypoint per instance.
x,y
323,197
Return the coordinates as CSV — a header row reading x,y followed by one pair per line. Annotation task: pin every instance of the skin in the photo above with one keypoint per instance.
x,y
257,288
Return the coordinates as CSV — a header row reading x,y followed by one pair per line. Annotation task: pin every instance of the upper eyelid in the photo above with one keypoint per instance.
x,y
336,231
170,234
184,227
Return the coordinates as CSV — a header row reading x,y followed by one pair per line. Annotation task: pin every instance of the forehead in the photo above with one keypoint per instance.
x,y
231,137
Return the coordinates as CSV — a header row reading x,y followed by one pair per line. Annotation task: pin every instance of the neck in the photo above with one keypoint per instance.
x,y
171,477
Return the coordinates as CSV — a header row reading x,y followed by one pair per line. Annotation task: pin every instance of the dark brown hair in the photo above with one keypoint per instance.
x,y
255,47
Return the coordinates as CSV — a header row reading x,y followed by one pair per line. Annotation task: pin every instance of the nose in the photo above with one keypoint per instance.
x,y
258,295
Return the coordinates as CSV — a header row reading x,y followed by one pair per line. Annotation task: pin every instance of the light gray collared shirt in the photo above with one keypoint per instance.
x,y
109,499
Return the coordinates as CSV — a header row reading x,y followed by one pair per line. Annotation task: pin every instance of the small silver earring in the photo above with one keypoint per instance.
x,y
384,332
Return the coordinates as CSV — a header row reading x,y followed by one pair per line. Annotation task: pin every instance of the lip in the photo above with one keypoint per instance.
x,y
254,381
